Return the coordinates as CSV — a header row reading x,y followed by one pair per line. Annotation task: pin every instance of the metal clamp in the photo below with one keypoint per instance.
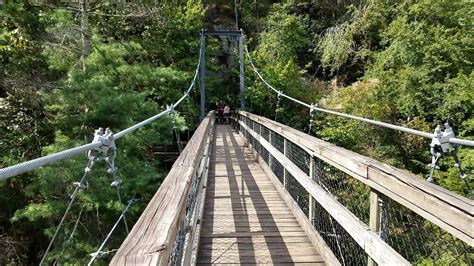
x,y
280,93
107,140
312,112
116,183
441,146
132,201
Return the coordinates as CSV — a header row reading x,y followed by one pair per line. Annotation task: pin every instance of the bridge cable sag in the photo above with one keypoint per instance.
x,y
427,135
20,168
442,142
101,143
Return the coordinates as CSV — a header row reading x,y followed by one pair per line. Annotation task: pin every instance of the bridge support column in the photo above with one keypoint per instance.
x,y
202,86
242,77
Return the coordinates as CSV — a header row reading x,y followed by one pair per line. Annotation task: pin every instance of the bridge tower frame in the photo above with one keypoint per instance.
x,y
240,35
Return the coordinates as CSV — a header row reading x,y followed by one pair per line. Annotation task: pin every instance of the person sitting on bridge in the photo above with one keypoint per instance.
x,y
226,113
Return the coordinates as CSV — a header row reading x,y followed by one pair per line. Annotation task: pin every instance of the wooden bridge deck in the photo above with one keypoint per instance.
x,y
245,219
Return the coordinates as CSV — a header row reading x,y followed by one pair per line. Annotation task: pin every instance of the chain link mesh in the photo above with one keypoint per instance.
x,y
265,133
278,141
277,169
420,241
298,156
344,247
351,193
298,192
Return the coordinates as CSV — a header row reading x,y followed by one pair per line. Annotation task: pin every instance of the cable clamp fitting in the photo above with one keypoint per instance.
x,y
79,185
440,146
312,109
107,140
116,183
132,201
441,138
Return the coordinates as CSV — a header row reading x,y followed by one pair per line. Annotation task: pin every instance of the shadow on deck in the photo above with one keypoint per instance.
x,y
245,219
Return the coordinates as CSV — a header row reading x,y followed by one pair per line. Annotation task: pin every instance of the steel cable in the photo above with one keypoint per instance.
x,y
97,253
362,119
20,168
79,186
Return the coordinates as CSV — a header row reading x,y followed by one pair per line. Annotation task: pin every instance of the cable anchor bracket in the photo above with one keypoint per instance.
x,y
441,146
108,143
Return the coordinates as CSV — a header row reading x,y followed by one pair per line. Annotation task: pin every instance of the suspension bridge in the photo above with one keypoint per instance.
x,y
255,191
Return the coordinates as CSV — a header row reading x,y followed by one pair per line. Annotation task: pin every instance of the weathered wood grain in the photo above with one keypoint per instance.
x,y
245,219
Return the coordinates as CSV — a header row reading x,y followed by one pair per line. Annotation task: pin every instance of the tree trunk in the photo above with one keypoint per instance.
x,y
85,34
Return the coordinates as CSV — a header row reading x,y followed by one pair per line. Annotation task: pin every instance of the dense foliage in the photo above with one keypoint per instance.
x,y
404,62
65,72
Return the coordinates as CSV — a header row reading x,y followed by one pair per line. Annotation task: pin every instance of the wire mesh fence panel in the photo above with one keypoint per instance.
x,y
343,246
298,156
420,241
264,154
415,238
245,133
265,133
350,192
298,192
250,139
277,168
278,141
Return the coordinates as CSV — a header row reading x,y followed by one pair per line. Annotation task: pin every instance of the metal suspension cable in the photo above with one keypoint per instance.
x,y
79,186
20,168
97,253
362,119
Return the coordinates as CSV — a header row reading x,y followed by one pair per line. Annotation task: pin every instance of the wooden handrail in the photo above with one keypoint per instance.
x,y
446,209
374,246
151,240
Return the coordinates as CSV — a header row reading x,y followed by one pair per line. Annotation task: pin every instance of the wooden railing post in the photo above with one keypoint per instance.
x,y
377,213
269,154
310,199
285,149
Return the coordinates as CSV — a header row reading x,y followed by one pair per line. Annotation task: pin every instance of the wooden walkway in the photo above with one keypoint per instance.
x,y
245,219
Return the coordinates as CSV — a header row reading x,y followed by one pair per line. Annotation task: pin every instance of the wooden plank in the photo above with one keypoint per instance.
x,y
451,212
278,245
279,264
377,249
151,238
246,260
261,224
252,228
290,240
284,251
